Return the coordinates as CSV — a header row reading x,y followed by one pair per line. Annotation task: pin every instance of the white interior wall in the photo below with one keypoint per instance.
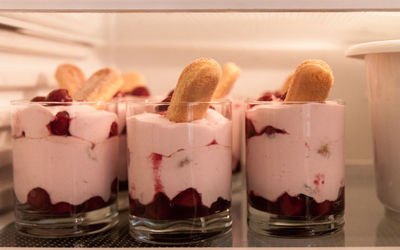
x,y
267,46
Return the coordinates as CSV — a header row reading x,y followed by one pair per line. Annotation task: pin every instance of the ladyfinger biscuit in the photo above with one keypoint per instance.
x,y
312,81
196,83
230,73
69,77
131,81
101,86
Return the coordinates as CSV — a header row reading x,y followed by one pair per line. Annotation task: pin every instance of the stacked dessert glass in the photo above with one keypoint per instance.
x,y
65,155
295,167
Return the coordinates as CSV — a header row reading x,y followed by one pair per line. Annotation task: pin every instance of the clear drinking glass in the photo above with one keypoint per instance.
x,y
65,158
238,156
295,167
179,173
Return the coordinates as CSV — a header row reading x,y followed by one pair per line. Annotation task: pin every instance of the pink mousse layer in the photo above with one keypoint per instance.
x,y
307,159
71,168
121,112
171,157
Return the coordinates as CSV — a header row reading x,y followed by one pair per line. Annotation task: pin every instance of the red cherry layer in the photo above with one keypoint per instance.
x,y
39,200
187,204
298,206
268,130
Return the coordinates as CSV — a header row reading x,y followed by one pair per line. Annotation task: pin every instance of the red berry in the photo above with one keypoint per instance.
x,y
219,205
140,91
163,107
39,199
38,99
267,96
62,208
291,206
277,94
113,129
93,204
159,209
59,95
250,130
60,125
283,97
320,209
136,208
187,198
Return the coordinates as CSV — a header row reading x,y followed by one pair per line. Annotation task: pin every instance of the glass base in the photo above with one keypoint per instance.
x,y
180,232
237,182
284,226
123,200
44,226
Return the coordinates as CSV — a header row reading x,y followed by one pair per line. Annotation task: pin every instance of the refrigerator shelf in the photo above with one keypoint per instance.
x,y
366,226
201,5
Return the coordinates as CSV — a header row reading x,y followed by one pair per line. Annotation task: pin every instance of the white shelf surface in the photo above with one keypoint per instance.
x,y
199,5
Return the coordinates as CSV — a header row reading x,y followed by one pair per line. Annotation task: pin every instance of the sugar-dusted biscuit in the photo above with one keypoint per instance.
x,y
101,86
312,81
230,73
69,77
196,83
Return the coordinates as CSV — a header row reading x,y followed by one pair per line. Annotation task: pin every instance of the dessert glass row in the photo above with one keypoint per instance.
x,y
179,153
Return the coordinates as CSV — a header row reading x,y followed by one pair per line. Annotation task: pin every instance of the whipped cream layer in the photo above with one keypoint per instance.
x,y
170,157
307,159
71,168
120,106
86,122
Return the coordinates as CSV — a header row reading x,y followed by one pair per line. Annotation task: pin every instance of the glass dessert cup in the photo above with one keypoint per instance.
x,y
123,203
295,167
179,173
65,167
238,142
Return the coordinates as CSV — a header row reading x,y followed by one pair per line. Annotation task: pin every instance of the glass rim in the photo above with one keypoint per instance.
x,y
255,101
27,102
153,102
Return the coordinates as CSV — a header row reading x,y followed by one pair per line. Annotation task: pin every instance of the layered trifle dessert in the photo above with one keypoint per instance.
x,y
229,75
295,166
65,155
180,158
